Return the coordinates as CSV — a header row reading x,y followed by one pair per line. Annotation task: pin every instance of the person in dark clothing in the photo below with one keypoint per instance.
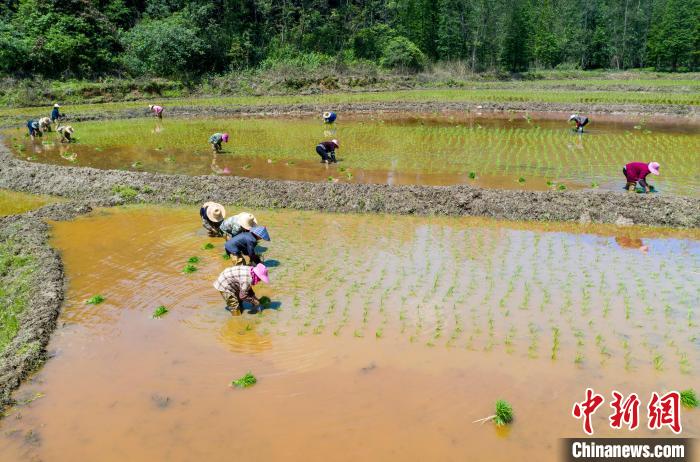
x,y
33,127
580,122
212,215
55,115
326,150
244,244
637,172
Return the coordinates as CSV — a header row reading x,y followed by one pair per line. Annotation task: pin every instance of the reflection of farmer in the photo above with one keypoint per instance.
x,y
33,127
45,124
55,115
637,172
244,244
580,122
157,111
326,150
66,132
237,224
235,284
329,117
631,243
212,215
216,139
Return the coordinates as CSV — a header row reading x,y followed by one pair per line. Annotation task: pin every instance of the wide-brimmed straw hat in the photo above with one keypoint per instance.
x,y
336,143
215,211
654,167
261,232
260,271
247,221
572,116
150,106
56,105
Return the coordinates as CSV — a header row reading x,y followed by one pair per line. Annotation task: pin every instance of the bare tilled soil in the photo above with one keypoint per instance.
x,y
120,186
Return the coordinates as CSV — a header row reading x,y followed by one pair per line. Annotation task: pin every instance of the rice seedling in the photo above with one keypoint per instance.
x,y
472,175
189,269
658,362
521,180
247,167
95,300
555,342
225,256
208,246
503,415
193,260
248,380
160,311
689,399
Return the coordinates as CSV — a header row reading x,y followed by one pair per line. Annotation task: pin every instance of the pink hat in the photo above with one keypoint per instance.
x,y
225,137
336,143
260,271
654,167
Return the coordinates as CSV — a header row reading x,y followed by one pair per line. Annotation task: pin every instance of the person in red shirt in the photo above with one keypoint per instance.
x,y
637,172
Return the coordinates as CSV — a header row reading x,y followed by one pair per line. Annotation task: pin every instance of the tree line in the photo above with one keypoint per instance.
x,y
189,38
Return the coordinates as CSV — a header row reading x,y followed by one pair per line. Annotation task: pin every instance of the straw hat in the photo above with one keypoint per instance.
x,y
150,107
247,221
572,116
336,143
654,167
56,105
260,271
215,211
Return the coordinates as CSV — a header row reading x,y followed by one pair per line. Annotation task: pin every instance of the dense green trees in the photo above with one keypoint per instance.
x,y
188,38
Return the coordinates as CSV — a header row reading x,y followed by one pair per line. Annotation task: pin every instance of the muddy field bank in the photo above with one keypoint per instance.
x,y
379,107
121,186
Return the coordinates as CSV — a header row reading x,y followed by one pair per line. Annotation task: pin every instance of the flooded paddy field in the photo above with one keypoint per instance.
x,y
515,151
13,202
387,336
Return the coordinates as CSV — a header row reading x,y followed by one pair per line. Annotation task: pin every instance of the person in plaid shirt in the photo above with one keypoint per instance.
x,y
236,285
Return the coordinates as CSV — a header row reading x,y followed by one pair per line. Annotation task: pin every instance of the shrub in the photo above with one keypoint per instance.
x,y
400,52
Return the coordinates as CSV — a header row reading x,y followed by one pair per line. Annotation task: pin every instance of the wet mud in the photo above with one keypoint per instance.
x,y
120,186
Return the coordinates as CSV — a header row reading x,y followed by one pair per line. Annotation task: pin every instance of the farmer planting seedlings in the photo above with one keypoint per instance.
x,y
580,122
236,286
637,172
243,244
212,215
237,224
157,111
326,149
216,139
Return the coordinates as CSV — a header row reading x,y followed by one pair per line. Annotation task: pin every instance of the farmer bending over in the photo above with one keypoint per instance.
x,y
45,124
580,122
216,139
157,111
66,132
237,224
212,215
55,115
33,127
235,284
637,172
244,244
326,150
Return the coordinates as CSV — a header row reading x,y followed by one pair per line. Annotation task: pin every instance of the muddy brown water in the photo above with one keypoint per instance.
x,y
388,336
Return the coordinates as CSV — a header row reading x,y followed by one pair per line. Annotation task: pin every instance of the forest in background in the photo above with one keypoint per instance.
x,y
187,39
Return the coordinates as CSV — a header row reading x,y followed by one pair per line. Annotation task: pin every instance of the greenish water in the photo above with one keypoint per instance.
x,y
512,152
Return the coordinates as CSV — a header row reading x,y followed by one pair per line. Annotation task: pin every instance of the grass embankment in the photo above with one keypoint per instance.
x,y
16,272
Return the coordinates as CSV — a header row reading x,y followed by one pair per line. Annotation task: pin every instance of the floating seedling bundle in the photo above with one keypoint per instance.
x,y
503,415
248,380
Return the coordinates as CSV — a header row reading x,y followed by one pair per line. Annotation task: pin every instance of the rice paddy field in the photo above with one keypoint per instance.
x,y
385,338
512,151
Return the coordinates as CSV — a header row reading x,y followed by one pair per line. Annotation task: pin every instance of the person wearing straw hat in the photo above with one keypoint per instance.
x,y
212,214
45,124
157,111
329,117
33,127
580,121
243,244
66,132
55,114
326,149
235,284
236,224
216,139
636,172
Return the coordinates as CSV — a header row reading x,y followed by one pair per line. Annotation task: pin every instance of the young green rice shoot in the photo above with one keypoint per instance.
x,y
160,311
189,268
689,399
248,380
95,300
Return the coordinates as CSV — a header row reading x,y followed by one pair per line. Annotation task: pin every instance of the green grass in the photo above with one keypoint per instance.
x,y
160,311
95,300
248,380
16,271
125,192
689,399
